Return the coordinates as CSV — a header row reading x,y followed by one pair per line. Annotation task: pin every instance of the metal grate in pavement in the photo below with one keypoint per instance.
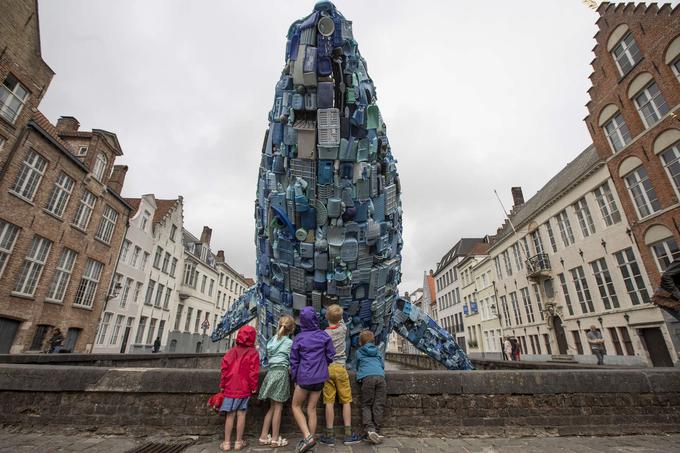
x,y
162,447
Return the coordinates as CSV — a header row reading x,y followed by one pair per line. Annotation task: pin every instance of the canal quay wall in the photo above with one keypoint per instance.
x,y
143,400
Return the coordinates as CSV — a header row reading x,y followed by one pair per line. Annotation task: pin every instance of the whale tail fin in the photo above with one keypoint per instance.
x,y
241,312
427,336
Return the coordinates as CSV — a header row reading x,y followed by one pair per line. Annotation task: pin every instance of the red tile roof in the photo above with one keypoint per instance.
x,y
249,281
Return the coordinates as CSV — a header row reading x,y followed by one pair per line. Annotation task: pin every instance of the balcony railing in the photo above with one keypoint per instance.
x,y
538,266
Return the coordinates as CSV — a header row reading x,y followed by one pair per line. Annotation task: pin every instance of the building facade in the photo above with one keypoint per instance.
x,y
62,220
482,319
634,123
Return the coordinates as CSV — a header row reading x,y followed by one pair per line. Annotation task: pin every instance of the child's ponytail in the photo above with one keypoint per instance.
x,y
286,326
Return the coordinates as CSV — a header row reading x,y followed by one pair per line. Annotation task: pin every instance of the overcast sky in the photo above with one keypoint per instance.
x,y
476,95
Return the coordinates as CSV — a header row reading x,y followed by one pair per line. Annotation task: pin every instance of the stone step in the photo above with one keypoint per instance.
x,y
563,358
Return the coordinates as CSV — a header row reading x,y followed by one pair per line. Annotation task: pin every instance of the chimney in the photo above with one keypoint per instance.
x,y
117,178
431,273
220,256
67,124
205,236
517,197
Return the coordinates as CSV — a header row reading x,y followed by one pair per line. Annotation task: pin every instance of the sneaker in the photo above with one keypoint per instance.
x,y
327,440
374,437
305,445
353,439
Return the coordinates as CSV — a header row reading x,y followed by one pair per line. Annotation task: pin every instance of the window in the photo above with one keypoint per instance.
x,y
528,308
651,104
630,271
617,132
173,232
166,262
116,329
152,328
205,279
642,192
190,276
546,341
145,220
157,258
100,163
605,200
515,308
551,236
140,329
178,317
62,275
2,142
585,220
166,302
538,244
82,151
565,228
8,237
124,249
498,267
537,293
665,252
187,323
149,292
107,225
625,336
675,66
135,256
518,256
159,295
39,337
173,267
61,192
671,162
506,261
161,328
29,176
210,288
615,340
626,54
138,290
145,260
13,95
605,284
198,321
126,292
577,340
582,290
103,328
88,283
33,266
84,212
565,291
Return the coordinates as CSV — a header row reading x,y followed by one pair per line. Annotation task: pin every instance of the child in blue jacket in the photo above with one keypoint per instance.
x,y
371,375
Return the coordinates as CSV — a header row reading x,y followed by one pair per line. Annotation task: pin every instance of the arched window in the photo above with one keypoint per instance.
x,y
624,49
100,163
639,186
662,244
614,127
667,146
650,103
672,57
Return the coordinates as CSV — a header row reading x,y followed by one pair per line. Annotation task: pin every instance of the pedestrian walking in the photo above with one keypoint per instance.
x,y
507,349
596,343
56,341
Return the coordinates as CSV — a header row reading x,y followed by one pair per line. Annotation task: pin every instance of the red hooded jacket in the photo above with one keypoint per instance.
x,y
241,366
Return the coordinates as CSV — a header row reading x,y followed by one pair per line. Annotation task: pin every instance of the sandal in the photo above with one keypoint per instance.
x,y
240,445
225,446
264,442
280,442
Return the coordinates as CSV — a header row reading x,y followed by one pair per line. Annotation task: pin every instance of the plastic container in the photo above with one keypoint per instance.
x,y
328,125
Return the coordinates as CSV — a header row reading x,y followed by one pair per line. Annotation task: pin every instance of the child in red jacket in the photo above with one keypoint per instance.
x,y
240,371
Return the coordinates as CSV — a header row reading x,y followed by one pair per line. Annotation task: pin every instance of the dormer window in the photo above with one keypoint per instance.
x,y
82,151
99,166
626,54
13,95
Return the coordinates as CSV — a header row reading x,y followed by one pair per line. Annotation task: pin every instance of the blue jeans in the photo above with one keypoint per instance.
x,y
600,356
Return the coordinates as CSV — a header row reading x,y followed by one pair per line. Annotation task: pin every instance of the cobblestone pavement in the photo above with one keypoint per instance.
x,y
21,441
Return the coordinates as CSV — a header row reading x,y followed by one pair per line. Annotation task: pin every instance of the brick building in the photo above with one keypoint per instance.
x,y
634,123
62,219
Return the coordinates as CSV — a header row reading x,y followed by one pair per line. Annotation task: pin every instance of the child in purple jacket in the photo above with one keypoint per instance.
x,y
310,355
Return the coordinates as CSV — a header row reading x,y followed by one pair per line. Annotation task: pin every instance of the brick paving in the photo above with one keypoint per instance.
x,y
15,441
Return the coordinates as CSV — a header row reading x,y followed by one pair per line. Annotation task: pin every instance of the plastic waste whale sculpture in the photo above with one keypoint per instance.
x,y
328,210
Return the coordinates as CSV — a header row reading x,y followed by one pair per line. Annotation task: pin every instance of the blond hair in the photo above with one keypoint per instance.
x,y
366,336
286,326
334,314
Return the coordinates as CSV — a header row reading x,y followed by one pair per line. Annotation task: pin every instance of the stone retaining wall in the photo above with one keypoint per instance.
x,y
473,403
427,363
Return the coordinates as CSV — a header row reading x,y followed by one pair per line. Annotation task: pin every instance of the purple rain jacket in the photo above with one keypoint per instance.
x,y
312,351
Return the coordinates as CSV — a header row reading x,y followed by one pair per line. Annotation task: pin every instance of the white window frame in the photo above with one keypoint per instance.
x,y
607,204
61,193
12,91
152,328
30,175
107,224
106,320
125,293
657,109
159,295
515,308
138,291
664,250
116,329
670,158
87,288
675,66
33,266
583,293
528,307
100,163
148,298
585,220
632,277
82,151
124,250
157,257
564,225
62,275
617,132
8,237
605,284
627,48
637,181
141,327
88,201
